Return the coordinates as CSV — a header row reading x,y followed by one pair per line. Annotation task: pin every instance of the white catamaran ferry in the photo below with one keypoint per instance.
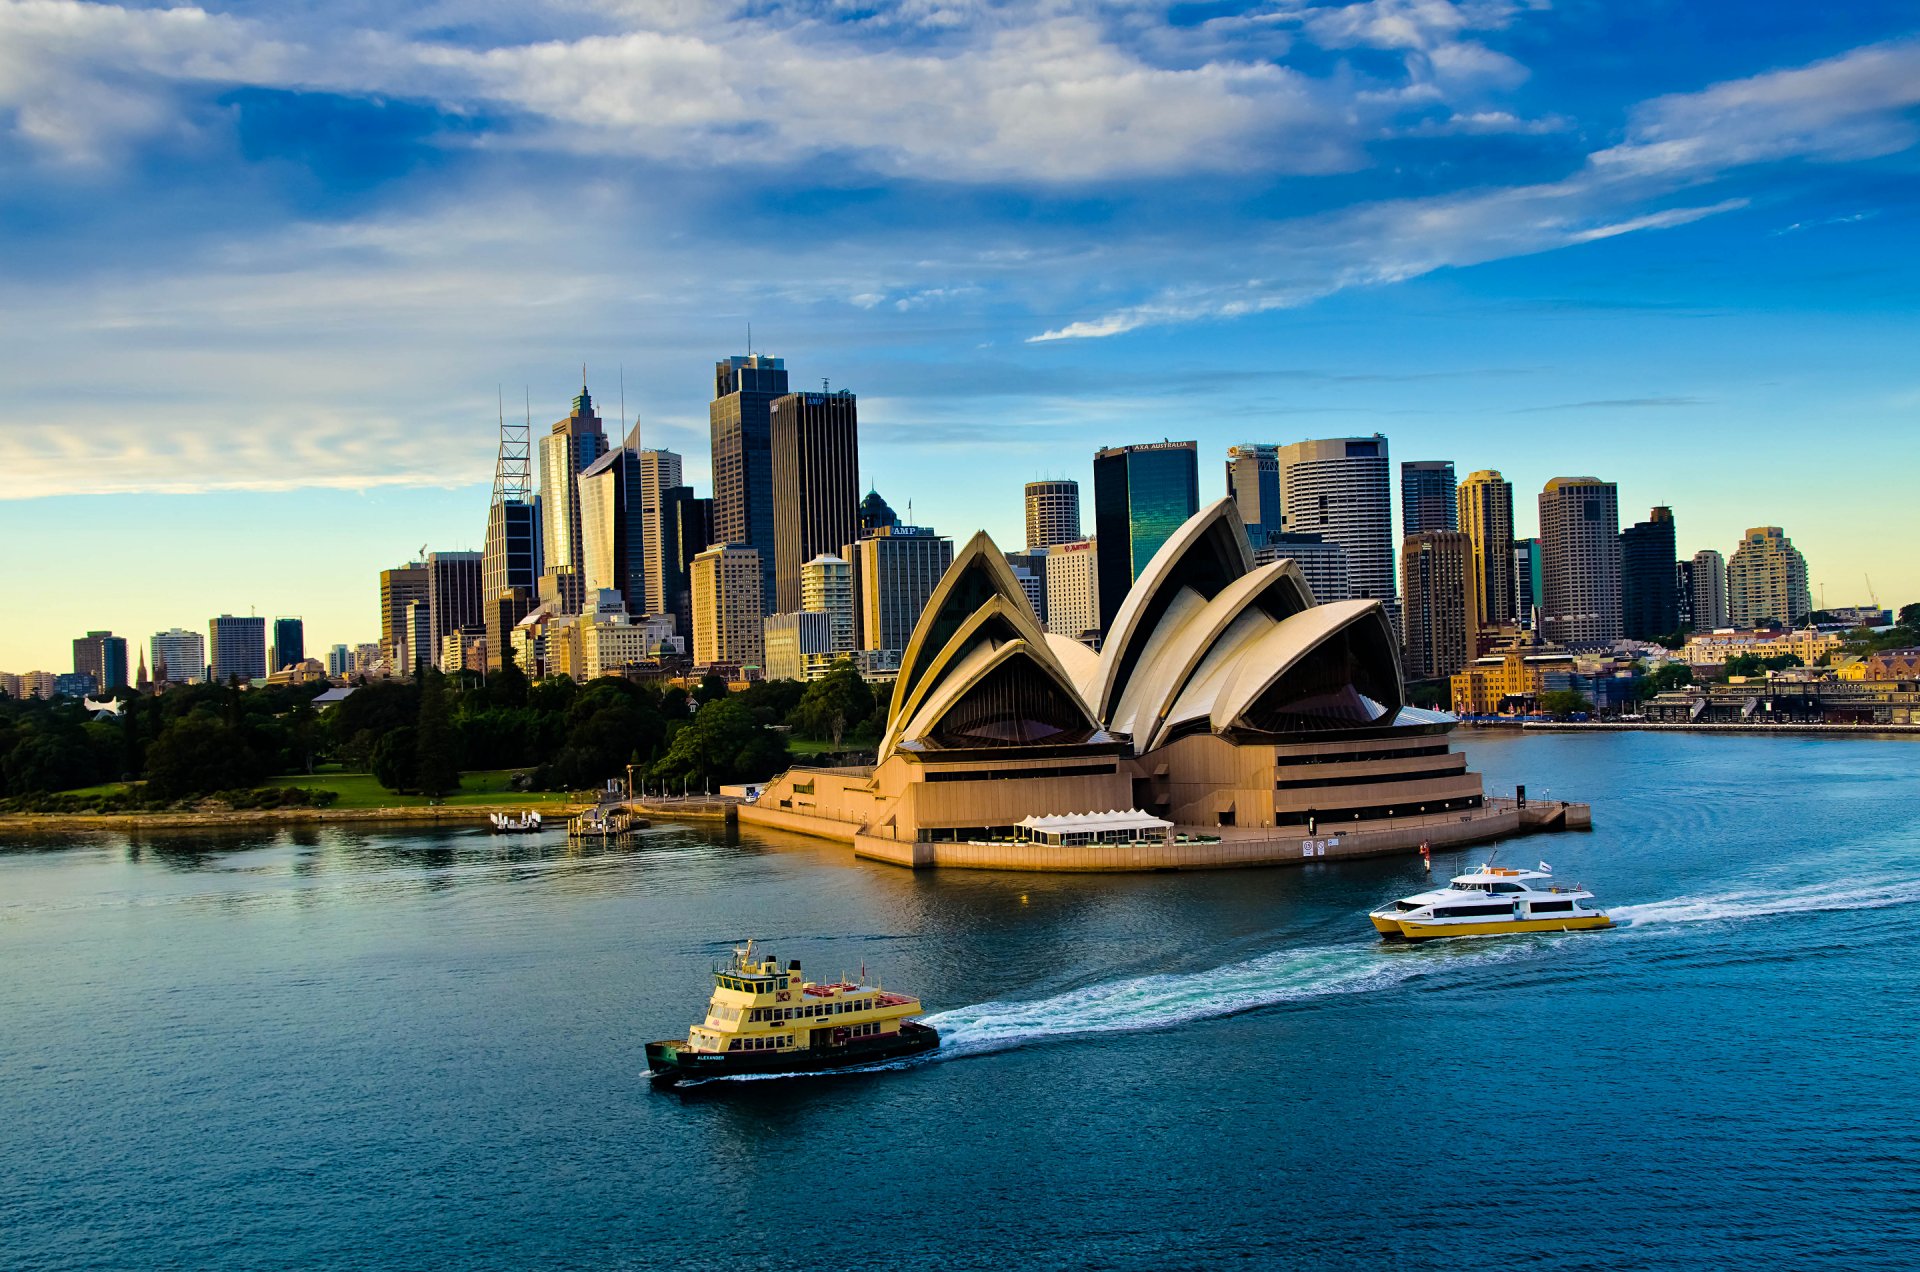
x,y
1492,901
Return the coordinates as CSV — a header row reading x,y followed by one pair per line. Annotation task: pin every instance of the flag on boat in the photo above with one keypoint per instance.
x,y
1545,868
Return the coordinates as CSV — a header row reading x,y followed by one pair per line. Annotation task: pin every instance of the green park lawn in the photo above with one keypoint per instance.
x,y
359,790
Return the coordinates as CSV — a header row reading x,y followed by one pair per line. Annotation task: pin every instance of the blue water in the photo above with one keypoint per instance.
x,y
393,1050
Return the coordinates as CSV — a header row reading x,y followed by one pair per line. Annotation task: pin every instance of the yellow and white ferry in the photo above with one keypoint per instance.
x,y
766,1019
1492,901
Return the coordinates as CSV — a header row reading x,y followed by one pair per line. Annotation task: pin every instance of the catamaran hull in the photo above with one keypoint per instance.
x,y
1404,930
669,1063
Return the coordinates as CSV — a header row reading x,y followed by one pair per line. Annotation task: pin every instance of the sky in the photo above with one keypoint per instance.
x,y
269,270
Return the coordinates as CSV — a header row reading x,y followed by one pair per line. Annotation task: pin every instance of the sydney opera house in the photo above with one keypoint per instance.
x,y
1227,720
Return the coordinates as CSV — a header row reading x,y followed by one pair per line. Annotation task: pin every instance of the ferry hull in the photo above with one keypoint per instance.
x,y
1401,929
670,1063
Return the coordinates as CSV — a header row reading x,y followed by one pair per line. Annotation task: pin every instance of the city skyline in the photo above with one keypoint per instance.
x,y
274,303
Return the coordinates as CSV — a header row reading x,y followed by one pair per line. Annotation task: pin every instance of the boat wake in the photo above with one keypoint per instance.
x,y
1855,894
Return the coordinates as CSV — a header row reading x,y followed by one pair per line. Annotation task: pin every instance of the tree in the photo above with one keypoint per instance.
x,y
1910,617
832,703
199,754
55,759
1669,676
711,688
1564,702
436,767
393,761
721,744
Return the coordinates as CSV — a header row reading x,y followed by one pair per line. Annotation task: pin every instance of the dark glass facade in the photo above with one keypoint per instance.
x,y
744,389
289,643
1427,496
1141,495
687,530
816,484
1649,581
103,656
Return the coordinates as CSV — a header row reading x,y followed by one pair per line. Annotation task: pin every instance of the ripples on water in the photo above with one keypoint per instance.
x,y
384,1050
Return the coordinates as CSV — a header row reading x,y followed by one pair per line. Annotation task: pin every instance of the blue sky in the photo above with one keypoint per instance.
x,y
263,267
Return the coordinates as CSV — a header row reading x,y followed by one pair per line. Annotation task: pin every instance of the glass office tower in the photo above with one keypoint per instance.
x,y
1141,495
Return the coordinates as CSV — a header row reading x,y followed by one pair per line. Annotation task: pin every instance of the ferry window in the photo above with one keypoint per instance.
x,y
1551,907
1508,887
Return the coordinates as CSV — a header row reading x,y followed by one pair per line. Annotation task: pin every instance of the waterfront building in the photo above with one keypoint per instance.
x,y
1141,495
1529,582
1427,497
1053,513
103,657
1222,700
1510,681
400,587
510,558
1893,664
816,483
1649,601
659,473
1767,580
1437,588
239,648
289,644
453,600
727,610
1580,545
1712,649
569,448
1073,588
1323,564
613,545
826,587
687,524
1341,490
1484,505
1253,483
894,572
799,646
740,419
179,657
1709,600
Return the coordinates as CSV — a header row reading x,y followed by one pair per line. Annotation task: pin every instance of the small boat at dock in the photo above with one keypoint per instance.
x,y
1492,901
526,823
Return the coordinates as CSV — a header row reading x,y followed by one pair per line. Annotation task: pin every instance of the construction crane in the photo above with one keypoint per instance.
x,y
1871,598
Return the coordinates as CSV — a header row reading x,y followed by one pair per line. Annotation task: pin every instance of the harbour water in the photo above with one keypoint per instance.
x,y
378,1049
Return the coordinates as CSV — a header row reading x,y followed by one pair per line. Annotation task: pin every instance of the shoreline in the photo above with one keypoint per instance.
x,y
1659,726
54,823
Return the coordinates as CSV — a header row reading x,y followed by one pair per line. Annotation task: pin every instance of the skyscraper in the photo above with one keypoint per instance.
x,y
1580,549
1767,580
875,512
1141,495
1649,603
1029,567
1427,496
1683,593
1073,588
1322,564
103,656
895,571
1528,584
400,587
1437,577
612,528
740,417
289,644
1709,591
179,657
340,661
239,647
659,473
1484,505
569,447
453,600
816,483
728,614
826,587
1053,513
1341,489
687,523
1253,483
510,568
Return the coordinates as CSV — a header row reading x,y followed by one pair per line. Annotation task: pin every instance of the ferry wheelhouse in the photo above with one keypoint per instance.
x,y
1491,901
765,1019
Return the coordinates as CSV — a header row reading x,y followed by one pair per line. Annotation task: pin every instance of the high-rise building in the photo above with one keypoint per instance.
x,y
740,416
1053,513
1342,490
1073,588
38,684
569,447
239,648
400,587
179,657
1683,593
289,644
1253,483
1709,600
340,661
659,473
1322,564
1427,496
798,646
418,651
1767,580
1649,601
1437,587
826,587
687,523
1484,506
1529,585
453,599
816,483
504,610
103,656
875,513
1580,550
1029,568
512,551
728,613
613,544
1141,495
894,573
